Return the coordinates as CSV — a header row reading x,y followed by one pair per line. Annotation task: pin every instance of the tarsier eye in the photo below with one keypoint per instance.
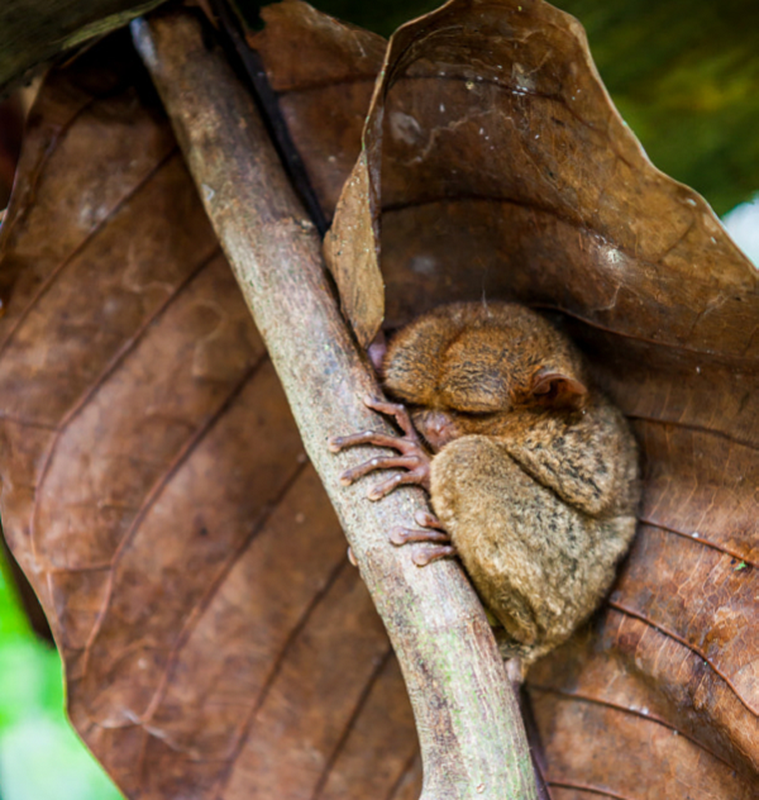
x,y
477,414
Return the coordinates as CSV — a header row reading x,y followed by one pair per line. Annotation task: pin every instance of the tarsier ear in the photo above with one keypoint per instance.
x,y
556,389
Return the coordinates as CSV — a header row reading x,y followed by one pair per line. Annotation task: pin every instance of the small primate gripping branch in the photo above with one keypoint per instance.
x,y
471,734
531,471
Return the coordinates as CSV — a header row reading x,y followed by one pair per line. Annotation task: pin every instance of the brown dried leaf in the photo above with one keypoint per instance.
x,y
323,72
216,641
506,172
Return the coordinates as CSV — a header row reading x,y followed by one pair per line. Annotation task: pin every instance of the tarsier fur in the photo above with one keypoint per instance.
x,y
533,474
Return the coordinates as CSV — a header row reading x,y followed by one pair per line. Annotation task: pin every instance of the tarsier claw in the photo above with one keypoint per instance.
x,y
397,536
439,539
427,520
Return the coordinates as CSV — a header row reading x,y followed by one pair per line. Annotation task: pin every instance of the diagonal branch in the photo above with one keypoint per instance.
x,y
471,735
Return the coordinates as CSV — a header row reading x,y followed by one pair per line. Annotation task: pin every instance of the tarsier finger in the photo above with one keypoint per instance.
x,y
427,520
396,479
338,443
400,536
380,462
396,410
429,554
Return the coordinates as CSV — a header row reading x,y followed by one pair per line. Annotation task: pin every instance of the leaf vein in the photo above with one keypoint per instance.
x,y
648,717
117,359
701,540
195,614
350,724
155,492
48,282
275,670
685,643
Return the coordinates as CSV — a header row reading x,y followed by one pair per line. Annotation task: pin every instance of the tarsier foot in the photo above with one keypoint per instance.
x,y
413,458
435,535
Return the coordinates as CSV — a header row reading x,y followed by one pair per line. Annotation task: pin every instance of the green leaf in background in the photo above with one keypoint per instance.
x,y
685,76
13,622
41,758
683,73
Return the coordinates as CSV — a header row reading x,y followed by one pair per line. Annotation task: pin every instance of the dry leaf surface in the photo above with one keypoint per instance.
x,y
323,73
495,165
217,643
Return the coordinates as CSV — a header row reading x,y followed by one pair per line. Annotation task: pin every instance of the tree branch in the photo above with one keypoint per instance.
x,y
470,731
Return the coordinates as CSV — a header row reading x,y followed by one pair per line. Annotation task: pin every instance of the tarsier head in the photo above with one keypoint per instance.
x,y
461,368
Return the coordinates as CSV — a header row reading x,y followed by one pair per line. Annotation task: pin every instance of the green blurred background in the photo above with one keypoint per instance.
x,y
683,73
685,76
41,758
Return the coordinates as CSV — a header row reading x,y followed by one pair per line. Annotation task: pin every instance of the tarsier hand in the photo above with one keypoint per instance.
x,y
532,475
416,459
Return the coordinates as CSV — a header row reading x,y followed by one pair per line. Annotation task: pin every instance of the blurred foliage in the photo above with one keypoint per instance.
x,y
36,31
41,758
685,76
683,73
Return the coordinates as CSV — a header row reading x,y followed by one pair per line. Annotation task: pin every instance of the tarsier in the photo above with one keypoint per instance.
x,y
533,475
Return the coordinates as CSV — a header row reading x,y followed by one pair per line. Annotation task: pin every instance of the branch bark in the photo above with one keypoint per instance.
x,y
470,730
